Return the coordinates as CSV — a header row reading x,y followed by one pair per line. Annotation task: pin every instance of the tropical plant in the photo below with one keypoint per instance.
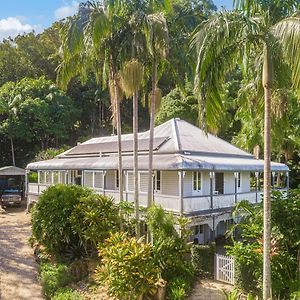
x,y
97,40
93,219
51,224
128,268
169,249
157,39
131,81
247,250
264,34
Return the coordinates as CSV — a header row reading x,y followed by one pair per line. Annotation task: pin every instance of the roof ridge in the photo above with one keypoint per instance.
x,y
176,134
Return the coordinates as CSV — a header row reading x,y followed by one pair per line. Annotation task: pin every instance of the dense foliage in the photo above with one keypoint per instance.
x,y
285,246
51,224
170,249
77,218
94,218
128,267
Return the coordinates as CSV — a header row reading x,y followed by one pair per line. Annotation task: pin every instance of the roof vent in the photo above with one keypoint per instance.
x,y
177,119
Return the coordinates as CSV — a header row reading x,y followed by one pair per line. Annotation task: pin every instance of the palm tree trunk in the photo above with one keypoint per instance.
x,y
266,81
119,132
151,134
135,162
12,151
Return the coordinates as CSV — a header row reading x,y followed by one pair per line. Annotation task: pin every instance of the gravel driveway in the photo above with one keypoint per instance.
x,y
18,269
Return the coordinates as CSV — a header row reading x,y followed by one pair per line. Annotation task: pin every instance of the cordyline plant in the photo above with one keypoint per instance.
x,y
128,267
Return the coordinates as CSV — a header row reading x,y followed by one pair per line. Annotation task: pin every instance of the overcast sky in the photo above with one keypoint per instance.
x,y
20,16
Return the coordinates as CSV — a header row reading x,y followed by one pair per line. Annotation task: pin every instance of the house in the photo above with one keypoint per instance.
x,y
196,175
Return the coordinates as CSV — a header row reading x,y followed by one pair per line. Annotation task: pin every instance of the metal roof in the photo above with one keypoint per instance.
x,y
112,146
182,137
11,171
178,145
160,162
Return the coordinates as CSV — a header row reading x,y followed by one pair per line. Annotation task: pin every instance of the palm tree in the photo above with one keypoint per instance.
x,y
259,33
157,39
97,39
131,81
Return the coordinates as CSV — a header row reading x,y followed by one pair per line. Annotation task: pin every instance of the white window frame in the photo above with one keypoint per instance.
x,y
139,181
239,182
155,190
199,189
127,176
117,180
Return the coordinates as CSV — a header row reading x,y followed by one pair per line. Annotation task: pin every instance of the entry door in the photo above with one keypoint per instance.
x,y
219,182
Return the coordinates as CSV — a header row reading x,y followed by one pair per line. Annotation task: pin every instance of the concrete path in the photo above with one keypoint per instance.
x,y
209,290
18,269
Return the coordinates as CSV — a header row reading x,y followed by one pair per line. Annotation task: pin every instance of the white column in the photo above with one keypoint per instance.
x,y
103,182
181,175
211,178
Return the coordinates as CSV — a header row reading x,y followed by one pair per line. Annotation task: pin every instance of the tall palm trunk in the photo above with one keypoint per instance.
x,y
151,134
135,162
266,81
12,151
119,132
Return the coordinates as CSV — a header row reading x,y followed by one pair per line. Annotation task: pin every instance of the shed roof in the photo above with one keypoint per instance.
x,y
11,171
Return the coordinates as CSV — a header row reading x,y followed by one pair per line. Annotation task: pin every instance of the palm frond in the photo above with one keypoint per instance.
x,y
218,43
157,34
287,32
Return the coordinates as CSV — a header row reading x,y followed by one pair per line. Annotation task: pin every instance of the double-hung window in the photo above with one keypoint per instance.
x,y
157,181
196,181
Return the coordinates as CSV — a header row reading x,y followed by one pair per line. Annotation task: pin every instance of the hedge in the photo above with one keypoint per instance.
x,y
203,260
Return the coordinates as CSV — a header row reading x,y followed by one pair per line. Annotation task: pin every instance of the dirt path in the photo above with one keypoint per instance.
x,y
18,269
209,290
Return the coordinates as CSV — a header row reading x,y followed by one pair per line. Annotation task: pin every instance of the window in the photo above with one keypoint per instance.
x,y
239,180
48,177
199,229
196,181
117,178
157,181
55,178
219,183
42,178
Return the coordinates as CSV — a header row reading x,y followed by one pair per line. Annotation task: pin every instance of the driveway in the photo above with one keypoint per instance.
x,y
18,269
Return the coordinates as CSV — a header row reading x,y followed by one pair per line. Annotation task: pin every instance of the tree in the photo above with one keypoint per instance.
x,y
178,104
264,34
36,113
131,81
6,108
95,40
157,38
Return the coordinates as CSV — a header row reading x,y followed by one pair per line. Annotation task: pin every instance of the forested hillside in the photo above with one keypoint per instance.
x,y
36,113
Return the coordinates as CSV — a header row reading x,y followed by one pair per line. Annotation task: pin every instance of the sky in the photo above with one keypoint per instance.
x,y
22,16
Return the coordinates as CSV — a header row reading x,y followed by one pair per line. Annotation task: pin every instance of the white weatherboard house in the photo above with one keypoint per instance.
x,y
196,175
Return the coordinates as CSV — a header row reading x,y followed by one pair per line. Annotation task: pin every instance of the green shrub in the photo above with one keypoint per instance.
x,y
67,294
128,267
54,277
93,218
169,249
51,224
203,260
285,235
177,289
